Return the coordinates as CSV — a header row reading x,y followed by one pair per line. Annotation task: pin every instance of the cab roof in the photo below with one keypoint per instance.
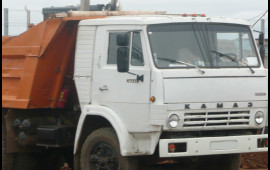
x,y
159,19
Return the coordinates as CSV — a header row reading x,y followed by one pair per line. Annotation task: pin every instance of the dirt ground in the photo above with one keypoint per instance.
x,y
252,161
255,161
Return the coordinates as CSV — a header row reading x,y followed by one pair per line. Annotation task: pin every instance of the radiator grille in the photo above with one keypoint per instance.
x,y
211,119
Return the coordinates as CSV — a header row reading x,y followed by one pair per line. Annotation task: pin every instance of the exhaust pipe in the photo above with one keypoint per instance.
x,y
85,5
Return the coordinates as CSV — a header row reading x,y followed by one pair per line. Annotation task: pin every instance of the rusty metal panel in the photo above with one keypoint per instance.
x,y
20,58
34,64
52,67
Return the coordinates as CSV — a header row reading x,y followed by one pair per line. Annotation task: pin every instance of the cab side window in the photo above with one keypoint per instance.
x,y
134,44
137,53
113,46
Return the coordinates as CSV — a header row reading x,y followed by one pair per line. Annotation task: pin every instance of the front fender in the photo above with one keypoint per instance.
x,y
125,139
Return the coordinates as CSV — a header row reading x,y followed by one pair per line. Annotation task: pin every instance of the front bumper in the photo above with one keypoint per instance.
x,y
213,145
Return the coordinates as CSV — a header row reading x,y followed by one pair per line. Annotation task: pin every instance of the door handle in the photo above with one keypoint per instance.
x,y
103,88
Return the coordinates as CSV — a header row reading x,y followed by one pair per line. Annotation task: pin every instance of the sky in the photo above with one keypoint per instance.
x,y
243,9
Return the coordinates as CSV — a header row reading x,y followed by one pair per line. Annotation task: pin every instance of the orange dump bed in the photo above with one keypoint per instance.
x,y
35,64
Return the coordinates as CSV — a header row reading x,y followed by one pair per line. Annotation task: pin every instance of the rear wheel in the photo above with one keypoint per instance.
x,y
101,151
4,142
7,159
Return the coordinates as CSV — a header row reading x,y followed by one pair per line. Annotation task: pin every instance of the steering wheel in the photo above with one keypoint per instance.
x,y
137,59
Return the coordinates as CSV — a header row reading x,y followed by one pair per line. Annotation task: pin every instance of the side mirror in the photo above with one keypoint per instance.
x,y
123,59
261,44
123,39
261,39
262,53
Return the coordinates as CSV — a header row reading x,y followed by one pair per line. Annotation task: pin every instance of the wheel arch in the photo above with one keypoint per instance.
x,y
95,117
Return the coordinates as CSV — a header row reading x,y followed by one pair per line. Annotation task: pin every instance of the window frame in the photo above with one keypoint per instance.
x,y
108,49
252,39
129,46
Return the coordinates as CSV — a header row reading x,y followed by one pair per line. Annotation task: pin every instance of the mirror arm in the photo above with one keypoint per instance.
x,y
132,73
139,78
258,31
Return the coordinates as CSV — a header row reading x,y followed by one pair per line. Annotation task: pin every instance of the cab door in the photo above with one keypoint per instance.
x,y
122,92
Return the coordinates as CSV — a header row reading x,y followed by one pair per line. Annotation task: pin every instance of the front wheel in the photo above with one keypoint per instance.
x,y
221,162
101,151
232,162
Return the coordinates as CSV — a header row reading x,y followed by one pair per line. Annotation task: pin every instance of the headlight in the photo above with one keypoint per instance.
x,y
259,117
173,121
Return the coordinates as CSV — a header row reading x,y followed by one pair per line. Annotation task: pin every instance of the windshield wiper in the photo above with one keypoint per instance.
x,y
181,62
233,59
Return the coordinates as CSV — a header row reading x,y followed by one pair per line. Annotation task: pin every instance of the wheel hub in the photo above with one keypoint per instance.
x,y
103,157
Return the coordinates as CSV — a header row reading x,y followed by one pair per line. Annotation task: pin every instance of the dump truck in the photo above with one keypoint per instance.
x,y
120,88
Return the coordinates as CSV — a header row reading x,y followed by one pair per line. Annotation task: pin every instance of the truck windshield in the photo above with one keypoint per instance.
x,y
194,44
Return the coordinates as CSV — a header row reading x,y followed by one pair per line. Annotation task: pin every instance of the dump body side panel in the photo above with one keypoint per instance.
x,y
20,62
52,67
35,63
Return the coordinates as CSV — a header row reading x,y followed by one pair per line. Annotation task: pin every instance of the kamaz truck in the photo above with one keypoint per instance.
x,y
124,89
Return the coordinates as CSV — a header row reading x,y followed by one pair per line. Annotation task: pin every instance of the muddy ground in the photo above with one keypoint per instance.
x,y
258,161
255,161
252,161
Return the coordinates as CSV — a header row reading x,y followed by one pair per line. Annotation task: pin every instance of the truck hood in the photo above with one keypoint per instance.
x,y
190,86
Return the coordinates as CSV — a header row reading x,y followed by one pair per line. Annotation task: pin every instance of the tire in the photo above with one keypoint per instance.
x,y
4,143
101,150
14,161
25,161
231,162
221,162
7,159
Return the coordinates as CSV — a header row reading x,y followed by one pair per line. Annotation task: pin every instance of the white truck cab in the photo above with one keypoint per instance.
x,y
181,86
